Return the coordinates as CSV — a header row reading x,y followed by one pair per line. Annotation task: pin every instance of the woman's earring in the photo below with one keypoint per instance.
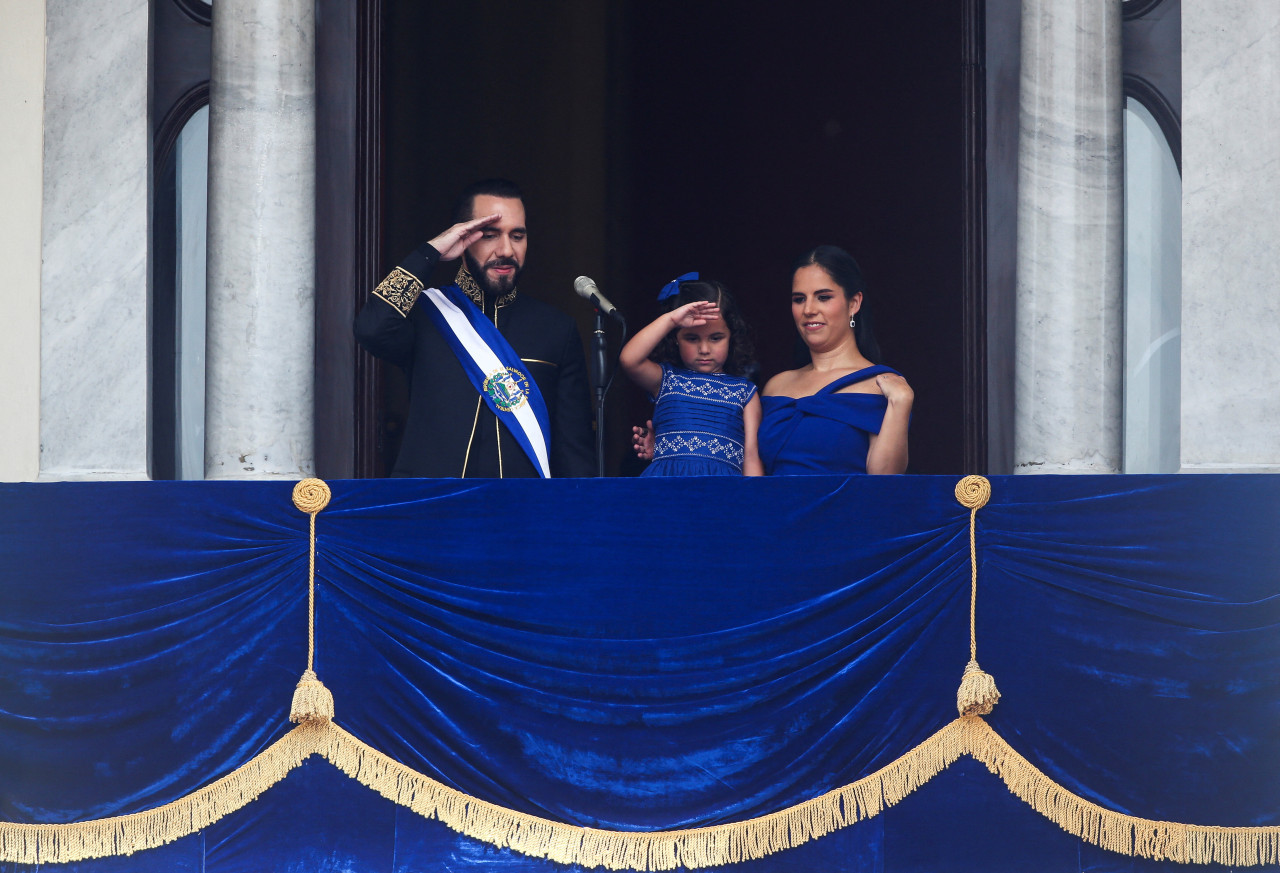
x,y
850,322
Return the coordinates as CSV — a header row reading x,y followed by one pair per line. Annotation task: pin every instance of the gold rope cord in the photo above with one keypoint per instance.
x,y
977,694
311,700
627,850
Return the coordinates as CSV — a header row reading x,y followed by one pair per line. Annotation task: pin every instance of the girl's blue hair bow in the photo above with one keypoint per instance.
x,y
672,288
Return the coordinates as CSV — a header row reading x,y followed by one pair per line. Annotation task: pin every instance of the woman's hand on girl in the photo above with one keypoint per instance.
x,y
642,441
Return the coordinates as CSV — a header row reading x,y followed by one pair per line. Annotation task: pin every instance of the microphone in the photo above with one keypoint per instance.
x,y
587,290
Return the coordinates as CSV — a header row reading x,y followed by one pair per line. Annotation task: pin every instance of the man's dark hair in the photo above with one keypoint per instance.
x,y
505,188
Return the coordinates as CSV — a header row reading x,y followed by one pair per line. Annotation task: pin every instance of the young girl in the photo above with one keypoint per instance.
x,y
705,418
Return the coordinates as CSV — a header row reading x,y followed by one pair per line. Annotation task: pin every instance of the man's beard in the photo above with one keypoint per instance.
x,y
501,284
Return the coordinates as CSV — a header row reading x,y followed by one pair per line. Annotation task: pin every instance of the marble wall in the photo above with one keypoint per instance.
x,y
73,404
1230,225
93,355
22,117
1067,415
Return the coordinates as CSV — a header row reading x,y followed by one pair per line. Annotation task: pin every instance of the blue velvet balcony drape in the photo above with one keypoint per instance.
x,y
642,654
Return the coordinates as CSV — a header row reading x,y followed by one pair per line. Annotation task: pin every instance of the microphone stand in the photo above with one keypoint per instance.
x,y
600,367
599,359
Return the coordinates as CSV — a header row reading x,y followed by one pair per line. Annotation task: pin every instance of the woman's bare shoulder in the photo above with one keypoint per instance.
x,y
783,384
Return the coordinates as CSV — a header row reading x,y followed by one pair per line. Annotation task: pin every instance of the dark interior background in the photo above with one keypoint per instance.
x,y
656,137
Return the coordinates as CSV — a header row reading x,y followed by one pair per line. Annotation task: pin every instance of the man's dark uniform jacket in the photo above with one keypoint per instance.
x,y
451,432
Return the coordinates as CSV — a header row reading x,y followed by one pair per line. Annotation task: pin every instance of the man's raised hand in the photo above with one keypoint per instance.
x,y
454,241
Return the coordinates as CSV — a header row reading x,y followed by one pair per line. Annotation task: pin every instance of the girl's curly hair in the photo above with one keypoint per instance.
x,y
741,360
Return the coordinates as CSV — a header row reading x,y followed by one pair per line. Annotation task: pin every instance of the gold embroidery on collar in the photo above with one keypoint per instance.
x,y
471,288
467,283
401,289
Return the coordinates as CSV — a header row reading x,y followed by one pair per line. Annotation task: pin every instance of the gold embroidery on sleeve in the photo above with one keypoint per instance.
x,y
401,289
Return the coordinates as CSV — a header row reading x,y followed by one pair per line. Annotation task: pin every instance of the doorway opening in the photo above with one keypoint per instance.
x,y
654,138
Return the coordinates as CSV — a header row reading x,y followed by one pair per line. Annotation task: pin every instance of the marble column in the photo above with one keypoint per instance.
x,y
1070,239
259,419
1230,224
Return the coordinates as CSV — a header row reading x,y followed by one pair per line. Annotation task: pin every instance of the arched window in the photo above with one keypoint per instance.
x,y
179,210
1153,235
191,209
1153,295
179,111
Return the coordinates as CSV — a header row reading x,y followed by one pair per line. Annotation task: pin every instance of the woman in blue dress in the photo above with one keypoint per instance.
x,y
844,412
691,360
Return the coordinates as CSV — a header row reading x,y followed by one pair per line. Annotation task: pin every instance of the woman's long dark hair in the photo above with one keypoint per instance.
x,y
845,272
741,360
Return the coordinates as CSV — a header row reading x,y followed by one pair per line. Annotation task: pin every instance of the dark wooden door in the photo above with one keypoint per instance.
x,y
658,137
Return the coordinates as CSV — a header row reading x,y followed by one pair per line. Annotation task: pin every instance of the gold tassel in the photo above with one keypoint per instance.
x,y
311,700
978,694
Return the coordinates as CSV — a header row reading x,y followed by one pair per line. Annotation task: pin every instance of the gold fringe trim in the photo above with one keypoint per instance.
x,y
1114,831
654,850
126,834
651,850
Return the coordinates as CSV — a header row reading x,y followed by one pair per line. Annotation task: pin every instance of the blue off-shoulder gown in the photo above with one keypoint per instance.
x,y
826,432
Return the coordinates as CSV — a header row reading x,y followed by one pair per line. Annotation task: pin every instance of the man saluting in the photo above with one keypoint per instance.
x,y
497,380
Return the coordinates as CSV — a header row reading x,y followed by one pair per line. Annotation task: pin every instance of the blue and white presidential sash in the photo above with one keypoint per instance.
x,y
495,370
